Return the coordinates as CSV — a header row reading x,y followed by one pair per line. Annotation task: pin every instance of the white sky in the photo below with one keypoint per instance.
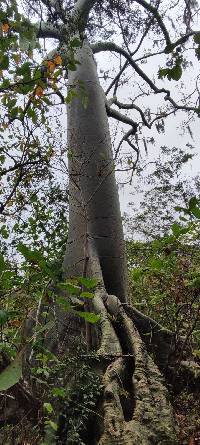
x,y
174,135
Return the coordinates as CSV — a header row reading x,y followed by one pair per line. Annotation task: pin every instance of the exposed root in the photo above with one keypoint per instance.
x,y
109,343
166,349
160,341
153,420
136,409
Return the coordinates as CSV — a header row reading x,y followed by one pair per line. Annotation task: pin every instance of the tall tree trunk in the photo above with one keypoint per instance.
x,y
94,212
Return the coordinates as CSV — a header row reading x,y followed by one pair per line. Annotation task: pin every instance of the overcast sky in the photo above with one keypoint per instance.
x,y
176,133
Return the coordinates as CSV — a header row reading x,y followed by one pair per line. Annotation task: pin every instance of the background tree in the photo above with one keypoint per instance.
x,y
161,186
95,246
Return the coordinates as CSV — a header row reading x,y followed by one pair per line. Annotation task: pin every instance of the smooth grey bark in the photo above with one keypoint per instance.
x,y
94,212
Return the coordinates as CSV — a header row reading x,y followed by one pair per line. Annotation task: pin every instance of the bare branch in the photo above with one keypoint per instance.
x,y
122,118
109,46
117,77
132,106
158,18
126,138
19,165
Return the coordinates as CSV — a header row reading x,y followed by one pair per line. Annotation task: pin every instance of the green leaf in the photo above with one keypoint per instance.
x,y
52,424
49,325
33,115
156,263
174,73
193,202
176,229
89,283
71,288
48,407
75,43
71,94
4,316
24,69
12,374
2,263
4,232
196,212
59,392
5,84
90,317
193,207
197,38
86,295
136,274
35,257
63,303
195,283
169,48
4,61
71,66
196,353
181,209
163,72
13,112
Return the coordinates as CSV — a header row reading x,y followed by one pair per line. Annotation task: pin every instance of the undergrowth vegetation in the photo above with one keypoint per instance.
x,y
164,278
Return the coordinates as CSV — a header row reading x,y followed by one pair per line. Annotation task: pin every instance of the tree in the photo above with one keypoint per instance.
x,y
164,188
134,394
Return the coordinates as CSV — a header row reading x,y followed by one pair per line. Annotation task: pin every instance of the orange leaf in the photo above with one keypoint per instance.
x,y
191,441
51,66
5,27
58,60
39,91
15,323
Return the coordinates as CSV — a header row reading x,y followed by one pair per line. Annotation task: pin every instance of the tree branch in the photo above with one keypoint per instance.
x,y
132,107
80,12
158,18
47,30
109,46
122,118
126,138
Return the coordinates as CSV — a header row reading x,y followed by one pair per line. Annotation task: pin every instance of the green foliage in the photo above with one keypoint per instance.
x,y
174,72
89,283
163,192
74,395
197,41
88,316
73,287
79,402
193,208
12,374
3,317
165,281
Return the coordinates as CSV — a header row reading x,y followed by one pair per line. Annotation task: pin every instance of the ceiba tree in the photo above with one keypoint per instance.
x,y
123,337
